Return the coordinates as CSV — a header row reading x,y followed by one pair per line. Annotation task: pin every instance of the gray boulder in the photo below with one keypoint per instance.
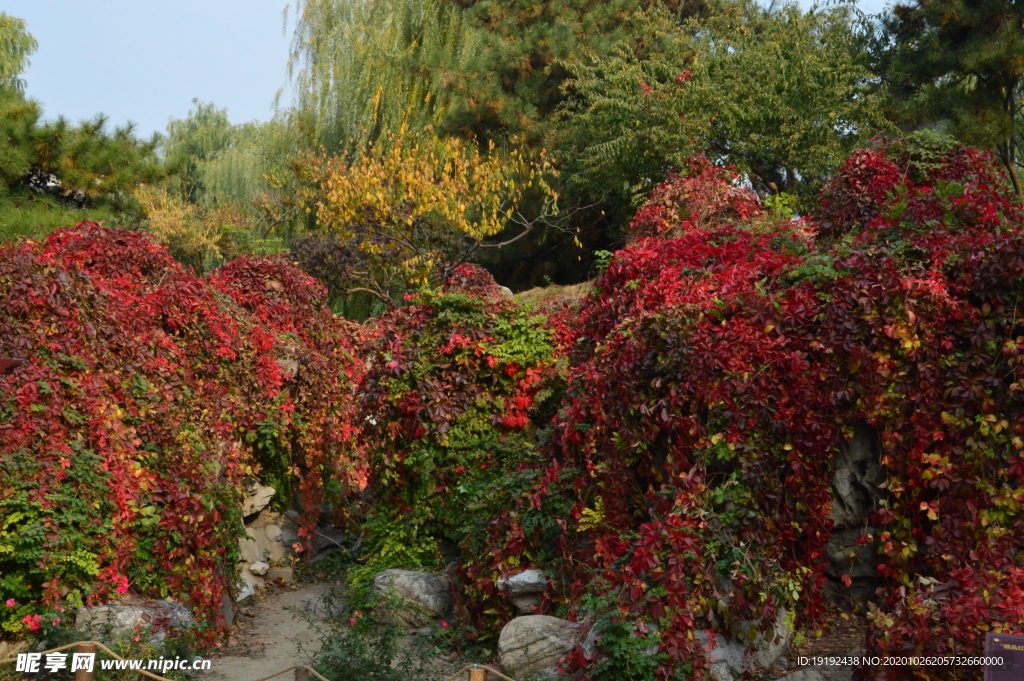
x,y
535,644
129,616
426,596
767,650
525,589
855,478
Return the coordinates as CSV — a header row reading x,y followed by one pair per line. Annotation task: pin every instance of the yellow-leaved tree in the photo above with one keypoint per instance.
x,y
406,211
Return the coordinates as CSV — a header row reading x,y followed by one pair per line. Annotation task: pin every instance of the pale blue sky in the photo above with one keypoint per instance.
x,y
145,60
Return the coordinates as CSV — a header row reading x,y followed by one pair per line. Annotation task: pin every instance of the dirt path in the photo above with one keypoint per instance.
x,y
268,636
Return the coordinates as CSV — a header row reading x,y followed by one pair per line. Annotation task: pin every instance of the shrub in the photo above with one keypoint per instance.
x,y
454,380
149,393
715,372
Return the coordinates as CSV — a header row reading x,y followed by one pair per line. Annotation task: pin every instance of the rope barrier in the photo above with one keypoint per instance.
x,y
98,645
477,667
300,667
296,666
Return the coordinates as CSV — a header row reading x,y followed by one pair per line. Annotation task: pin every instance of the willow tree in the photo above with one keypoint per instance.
x,y
360,67
233,190
16,45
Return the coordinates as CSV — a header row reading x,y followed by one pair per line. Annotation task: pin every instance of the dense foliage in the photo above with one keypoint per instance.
x,y
411,210
453,382
959,65
651,103
716,370
148,395
17,45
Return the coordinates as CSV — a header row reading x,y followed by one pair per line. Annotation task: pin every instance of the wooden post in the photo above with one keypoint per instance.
x,y
477,674
81,674
301,673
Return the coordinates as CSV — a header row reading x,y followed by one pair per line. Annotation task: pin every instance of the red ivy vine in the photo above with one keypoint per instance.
x,y
723,358
125,437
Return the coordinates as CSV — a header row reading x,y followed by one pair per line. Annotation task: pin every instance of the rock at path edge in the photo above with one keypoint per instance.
x,y
536,644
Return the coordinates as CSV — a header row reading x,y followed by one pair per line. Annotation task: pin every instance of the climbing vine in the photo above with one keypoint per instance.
x,y
129,430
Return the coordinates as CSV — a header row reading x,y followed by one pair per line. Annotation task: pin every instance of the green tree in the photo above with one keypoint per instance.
x,y
362,67
249,165
958,62
16,45
53,173
511,84
781,95
233,189
192,142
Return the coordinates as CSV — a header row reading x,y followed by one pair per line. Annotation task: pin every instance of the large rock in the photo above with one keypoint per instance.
x,y
768,649
251,583
130,616
426,596
326,606
855,478
269,538
535,644
327,539
257,497
12,648
250,549
857,561
525,589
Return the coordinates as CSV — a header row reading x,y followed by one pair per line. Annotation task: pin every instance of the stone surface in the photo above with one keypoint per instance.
x,y
855,497
860,562
767,650
728,658
257,497
228,609
327,539
259,568
725,656
325,606
289,367
272,535
128,616
250,583
525,582
428,596
535,644
12,648
855,479
285,574
525,589
250,549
